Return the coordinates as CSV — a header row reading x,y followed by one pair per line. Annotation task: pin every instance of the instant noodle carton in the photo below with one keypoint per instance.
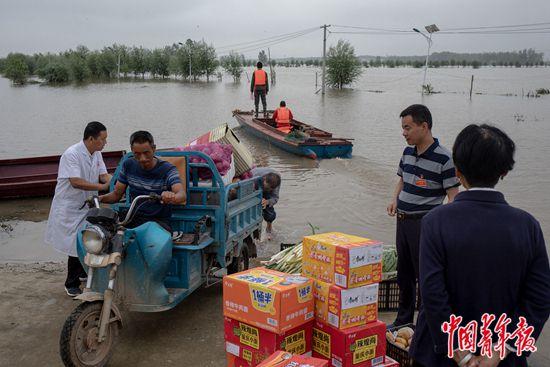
x,y
285,359
268,299
345,308
253,345
361,346
345,260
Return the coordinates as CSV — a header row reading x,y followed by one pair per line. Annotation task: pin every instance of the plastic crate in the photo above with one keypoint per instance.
x,y
399,354
388,295
284,246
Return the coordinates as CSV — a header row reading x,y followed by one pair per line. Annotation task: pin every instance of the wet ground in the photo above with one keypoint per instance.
x,y
33,308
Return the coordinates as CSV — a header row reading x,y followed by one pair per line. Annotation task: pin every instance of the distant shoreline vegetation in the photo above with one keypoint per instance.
x,y
196,60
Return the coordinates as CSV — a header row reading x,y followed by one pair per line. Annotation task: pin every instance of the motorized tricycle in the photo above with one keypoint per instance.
x,y
148,269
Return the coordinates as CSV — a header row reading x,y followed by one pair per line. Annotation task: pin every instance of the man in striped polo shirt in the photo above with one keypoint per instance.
x,y
426,175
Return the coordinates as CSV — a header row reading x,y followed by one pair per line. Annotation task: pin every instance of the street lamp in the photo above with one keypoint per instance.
x,y
430,29
189,60
118,62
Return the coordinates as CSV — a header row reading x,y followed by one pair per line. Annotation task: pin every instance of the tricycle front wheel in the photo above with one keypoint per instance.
x,y
240,263
78,344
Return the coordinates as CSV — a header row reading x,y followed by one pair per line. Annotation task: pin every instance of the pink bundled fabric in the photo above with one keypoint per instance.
x,y
220,154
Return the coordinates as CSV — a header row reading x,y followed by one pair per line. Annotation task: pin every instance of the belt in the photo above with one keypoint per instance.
x,y
401,215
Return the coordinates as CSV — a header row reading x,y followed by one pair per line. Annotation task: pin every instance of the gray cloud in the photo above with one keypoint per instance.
x,y
39,26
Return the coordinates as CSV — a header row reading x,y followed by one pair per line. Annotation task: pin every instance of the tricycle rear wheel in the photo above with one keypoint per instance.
x,y
241,262
78,342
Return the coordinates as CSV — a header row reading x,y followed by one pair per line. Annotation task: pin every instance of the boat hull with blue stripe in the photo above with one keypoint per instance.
x,y
318,145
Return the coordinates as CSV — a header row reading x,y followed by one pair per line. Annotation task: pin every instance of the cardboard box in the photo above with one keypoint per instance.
x,y
345,260
268,299
254,345
345,308
285,359
361,346
224,135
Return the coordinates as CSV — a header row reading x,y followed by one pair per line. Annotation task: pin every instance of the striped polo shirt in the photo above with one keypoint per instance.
x,y
143,182
426,177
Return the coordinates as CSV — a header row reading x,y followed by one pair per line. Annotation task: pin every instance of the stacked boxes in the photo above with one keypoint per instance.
x,y
265,311
347,270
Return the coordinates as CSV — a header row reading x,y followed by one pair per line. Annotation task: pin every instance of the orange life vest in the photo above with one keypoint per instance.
x,y
283,119
260,77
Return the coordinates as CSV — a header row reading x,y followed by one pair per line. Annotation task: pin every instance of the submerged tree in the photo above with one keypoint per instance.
x,y
262,57
343,67
16,69
233,64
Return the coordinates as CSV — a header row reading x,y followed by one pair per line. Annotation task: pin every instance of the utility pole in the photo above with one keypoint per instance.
x,y
189,52
430,29
324,56
118,67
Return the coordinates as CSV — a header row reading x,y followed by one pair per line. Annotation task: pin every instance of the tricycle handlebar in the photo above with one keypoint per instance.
x,y
133,207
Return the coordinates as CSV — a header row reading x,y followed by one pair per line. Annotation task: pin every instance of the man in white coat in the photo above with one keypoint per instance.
x,y
82,173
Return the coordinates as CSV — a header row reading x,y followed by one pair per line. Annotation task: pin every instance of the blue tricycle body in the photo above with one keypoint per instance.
x,y
156,273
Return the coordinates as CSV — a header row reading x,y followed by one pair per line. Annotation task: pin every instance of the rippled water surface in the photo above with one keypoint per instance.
x,y
346,195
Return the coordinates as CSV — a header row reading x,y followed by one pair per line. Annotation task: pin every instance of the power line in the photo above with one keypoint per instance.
x,y
498,26
377,33
267,39
270,43
373,29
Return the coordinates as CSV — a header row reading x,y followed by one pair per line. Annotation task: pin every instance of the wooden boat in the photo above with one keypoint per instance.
x,y
317,143
37,176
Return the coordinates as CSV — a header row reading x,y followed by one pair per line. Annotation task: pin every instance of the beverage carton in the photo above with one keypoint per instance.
x,y
254,345
345,260
361,346
345,308
268,299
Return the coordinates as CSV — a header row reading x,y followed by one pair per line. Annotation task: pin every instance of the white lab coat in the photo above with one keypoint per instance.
x,y
66,217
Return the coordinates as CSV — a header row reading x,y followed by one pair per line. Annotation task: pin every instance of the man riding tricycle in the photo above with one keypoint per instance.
x,y
150,264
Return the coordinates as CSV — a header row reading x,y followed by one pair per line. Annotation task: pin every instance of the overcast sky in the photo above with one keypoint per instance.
x,y
31,26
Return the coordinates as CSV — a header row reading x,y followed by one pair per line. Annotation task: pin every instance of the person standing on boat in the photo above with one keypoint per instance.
x,y
270,194
426,175
259,86
81,173
283,117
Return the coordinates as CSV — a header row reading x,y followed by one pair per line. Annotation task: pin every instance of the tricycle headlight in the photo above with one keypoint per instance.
x,y
93,239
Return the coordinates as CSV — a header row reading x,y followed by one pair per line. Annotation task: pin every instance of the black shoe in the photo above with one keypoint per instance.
x,y
73,291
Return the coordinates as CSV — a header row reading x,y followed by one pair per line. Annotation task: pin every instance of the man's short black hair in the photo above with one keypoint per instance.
x,y
93,129
282,104
419,114
141,137
273,180
483,154
259,65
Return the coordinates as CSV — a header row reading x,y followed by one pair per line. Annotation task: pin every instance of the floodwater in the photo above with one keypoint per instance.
x,y
344,195
334,195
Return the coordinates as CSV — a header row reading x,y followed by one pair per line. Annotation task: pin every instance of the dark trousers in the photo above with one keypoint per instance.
x,y
259,93
268,212
74,272
407,243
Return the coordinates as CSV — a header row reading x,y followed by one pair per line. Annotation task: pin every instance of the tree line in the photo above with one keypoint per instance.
x,y
194,60
191,60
